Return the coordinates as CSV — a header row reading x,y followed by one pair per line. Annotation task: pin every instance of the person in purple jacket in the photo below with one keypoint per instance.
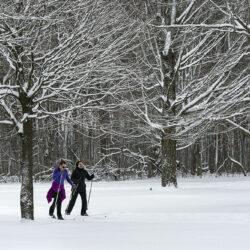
x,y
57,190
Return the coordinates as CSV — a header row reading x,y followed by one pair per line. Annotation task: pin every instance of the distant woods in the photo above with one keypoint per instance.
x,y
132,88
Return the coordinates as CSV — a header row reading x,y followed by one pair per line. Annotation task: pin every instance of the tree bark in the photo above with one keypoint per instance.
x,y
26,196
169,153
211,154
168,160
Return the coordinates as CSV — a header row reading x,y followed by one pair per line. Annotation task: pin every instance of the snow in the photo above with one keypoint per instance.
x,y
187,56
203,95
12,117
167,43
202,214
6,122
222,26
184,13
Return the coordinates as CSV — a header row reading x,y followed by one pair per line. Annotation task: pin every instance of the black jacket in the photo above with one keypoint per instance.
x,y
78,177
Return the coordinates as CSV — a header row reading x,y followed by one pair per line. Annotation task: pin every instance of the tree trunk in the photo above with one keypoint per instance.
x,y
104,140
169,153
168,161
197,157
211,153
149,170
193,164
26,196
225,152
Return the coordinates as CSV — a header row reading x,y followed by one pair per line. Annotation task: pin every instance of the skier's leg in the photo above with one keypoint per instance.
x,y
52,207
84,202
72,202
59,205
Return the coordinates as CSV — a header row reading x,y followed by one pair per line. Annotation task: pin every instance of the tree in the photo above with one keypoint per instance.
x,y
52,52
195,65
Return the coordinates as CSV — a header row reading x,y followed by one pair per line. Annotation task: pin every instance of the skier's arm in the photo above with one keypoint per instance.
x,y
74,177
89,177
68,179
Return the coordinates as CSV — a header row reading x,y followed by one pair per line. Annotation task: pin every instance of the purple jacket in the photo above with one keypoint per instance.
x,y
58,183
58,176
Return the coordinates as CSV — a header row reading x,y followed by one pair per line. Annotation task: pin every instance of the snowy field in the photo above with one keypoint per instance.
x,y
202,214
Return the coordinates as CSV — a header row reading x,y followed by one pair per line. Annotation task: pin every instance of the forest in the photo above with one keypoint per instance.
x,y
134,89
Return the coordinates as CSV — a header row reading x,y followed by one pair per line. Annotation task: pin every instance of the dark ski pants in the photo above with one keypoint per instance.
x,y
73,201
57,200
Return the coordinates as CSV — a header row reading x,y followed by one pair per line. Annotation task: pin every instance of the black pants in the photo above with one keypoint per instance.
x,y
73,201
57,200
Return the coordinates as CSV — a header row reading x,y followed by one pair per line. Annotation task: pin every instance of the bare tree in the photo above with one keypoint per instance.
x,y
195,55
55,56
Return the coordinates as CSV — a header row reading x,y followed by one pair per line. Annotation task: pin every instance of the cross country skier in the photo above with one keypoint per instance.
x,y
57,190
78,177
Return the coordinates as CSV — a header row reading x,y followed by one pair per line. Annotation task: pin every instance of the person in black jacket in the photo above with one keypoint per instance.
x,y
78,177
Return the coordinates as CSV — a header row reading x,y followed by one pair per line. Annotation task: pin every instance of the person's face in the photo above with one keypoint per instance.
x,y
80,165
62,167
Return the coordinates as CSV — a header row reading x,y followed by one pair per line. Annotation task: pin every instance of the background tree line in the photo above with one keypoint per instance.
x,y
133,89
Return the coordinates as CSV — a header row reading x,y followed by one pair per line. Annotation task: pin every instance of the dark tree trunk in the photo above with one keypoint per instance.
x,y
26,196
197,157
169,153
168,161
104,140
183,155
193,164
225,152
90,147
211,153
150,170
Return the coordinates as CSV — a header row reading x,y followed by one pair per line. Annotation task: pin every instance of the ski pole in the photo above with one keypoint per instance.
x,y
89,193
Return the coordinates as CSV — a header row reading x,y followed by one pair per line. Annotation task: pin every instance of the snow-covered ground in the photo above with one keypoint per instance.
x,y
202,214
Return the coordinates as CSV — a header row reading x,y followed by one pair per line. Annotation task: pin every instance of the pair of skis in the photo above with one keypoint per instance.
x,y
94,216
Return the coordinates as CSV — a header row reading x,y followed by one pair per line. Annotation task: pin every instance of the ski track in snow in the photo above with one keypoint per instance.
x,y
201,214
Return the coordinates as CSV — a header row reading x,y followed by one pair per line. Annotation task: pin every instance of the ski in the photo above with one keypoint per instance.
x,y
96,216
67,217
64,218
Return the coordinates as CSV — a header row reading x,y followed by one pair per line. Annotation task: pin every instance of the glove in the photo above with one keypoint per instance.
x,y
92,176
73,187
